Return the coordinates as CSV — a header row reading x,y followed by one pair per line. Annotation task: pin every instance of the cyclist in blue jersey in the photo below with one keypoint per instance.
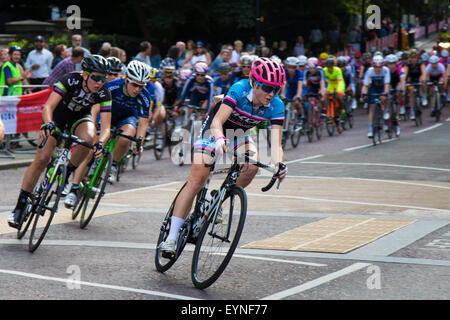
x,y
247,103
222,79
199,87
129,111
294,84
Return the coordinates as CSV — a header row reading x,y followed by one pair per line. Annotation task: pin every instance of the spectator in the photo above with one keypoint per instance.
x,y
189,51
61,53
281,51
145,48
39,61
77,39
224,56
4,56
299,48
236,53
333,37
182,47
265,52
105,50
200,54
316,39
65,66
172,55
155,58
12,74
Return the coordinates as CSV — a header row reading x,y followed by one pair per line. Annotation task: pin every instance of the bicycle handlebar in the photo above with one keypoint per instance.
x,y
70,137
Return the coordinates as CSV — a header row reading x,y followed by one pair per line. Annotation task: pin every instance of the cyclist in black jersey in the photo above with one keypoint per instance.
x,y
69,109
243,72
172,88
415,73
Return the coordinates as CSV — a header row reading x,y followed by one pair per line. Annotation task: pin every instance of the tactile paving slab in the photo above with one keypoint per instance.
x,y
332,235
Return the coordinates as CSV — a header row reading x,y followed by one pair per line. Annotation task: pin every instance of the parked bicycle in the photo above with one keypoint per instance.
x,y
44,200
214,242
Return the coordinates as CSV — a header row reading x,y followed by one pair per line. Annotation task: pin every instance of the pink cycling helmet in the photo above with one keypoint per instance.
x,y
267,71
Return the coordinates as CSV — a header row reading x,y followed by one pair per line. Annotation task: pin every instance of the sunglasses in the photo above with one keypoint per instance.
x,y
200,74
268,88
246,67
97,78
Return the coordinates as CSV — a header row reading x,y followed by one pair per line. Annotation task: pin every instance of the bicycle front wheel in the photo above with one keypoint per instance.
x,y
217,241
46,208
97,190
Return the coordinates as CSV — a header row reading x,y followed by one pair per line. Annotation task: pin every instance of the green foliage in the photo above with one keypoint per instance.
x,y
54,41
22,43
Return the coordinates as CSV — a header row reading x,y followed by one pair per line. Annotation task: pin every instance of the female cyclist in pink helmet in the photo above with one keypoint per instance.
x,y
246,104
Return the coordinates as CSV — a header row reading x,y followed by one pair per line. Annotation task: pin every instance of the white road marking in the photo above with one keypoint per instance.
x,y
374,180
317,282
376,164
97,285
429,128
368,145
278,260
376,204
304,159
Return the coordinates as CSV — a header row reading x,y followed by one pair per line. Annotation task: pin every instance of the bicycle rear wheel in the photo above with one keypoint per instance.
x,y
46,208
217,242
96,191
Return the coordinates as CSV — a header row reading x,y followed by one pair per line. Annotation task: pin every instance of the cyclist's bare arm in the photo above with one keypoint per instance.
x,y
47,112
219,119
105,126
94,111
276,150
142,127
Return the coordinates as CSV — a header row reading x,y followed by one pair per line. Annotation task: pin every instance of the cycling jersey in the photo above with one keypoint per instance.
x,y
292,83
171,93
349,79
373,79
335,79
244,116
396,76
435,72
414,71
198,92
220,87
313,80
75,106
126,109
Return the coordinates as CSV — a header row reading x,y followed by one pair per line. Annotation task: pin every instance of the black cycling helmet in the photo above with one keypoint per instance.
x,y
115,64
329,63
14,48
223,67
95,63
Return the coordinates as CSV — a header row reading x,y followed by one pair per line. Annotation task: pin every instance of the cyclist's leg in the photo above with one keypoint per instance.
x,y
128,127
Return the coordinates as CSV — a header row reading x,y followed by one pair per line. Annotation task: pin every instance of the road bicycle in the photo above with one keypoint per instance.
x,y
315,123
93,186
436,112
417,107
44,200
377,118
214,242
333,122
291,127
347,114
135,157
390,115
163,139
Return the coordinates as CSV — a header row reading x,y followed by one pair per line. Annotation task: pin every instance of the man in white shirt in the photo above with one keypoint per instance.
x,y
39,61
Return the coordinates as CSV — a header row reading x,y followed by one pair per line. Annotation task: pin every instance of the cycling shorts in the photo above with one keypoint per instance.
x,y
374,90
207,145
66,120
119,123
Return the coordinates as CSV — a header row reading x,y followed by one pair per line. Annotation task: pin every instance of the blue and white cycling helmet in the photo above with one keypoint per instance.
x,y
200,67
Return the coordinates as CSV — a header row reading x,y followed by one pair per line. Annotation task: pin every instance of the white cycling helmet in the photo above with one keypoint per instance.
x,y
444,53
391,58
433,59
291,61
377,61
302,60
276,58
138,71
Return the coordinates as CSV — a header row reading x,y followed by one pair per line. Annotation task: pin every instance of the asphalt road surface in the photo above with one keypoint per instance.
x,y
406,179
